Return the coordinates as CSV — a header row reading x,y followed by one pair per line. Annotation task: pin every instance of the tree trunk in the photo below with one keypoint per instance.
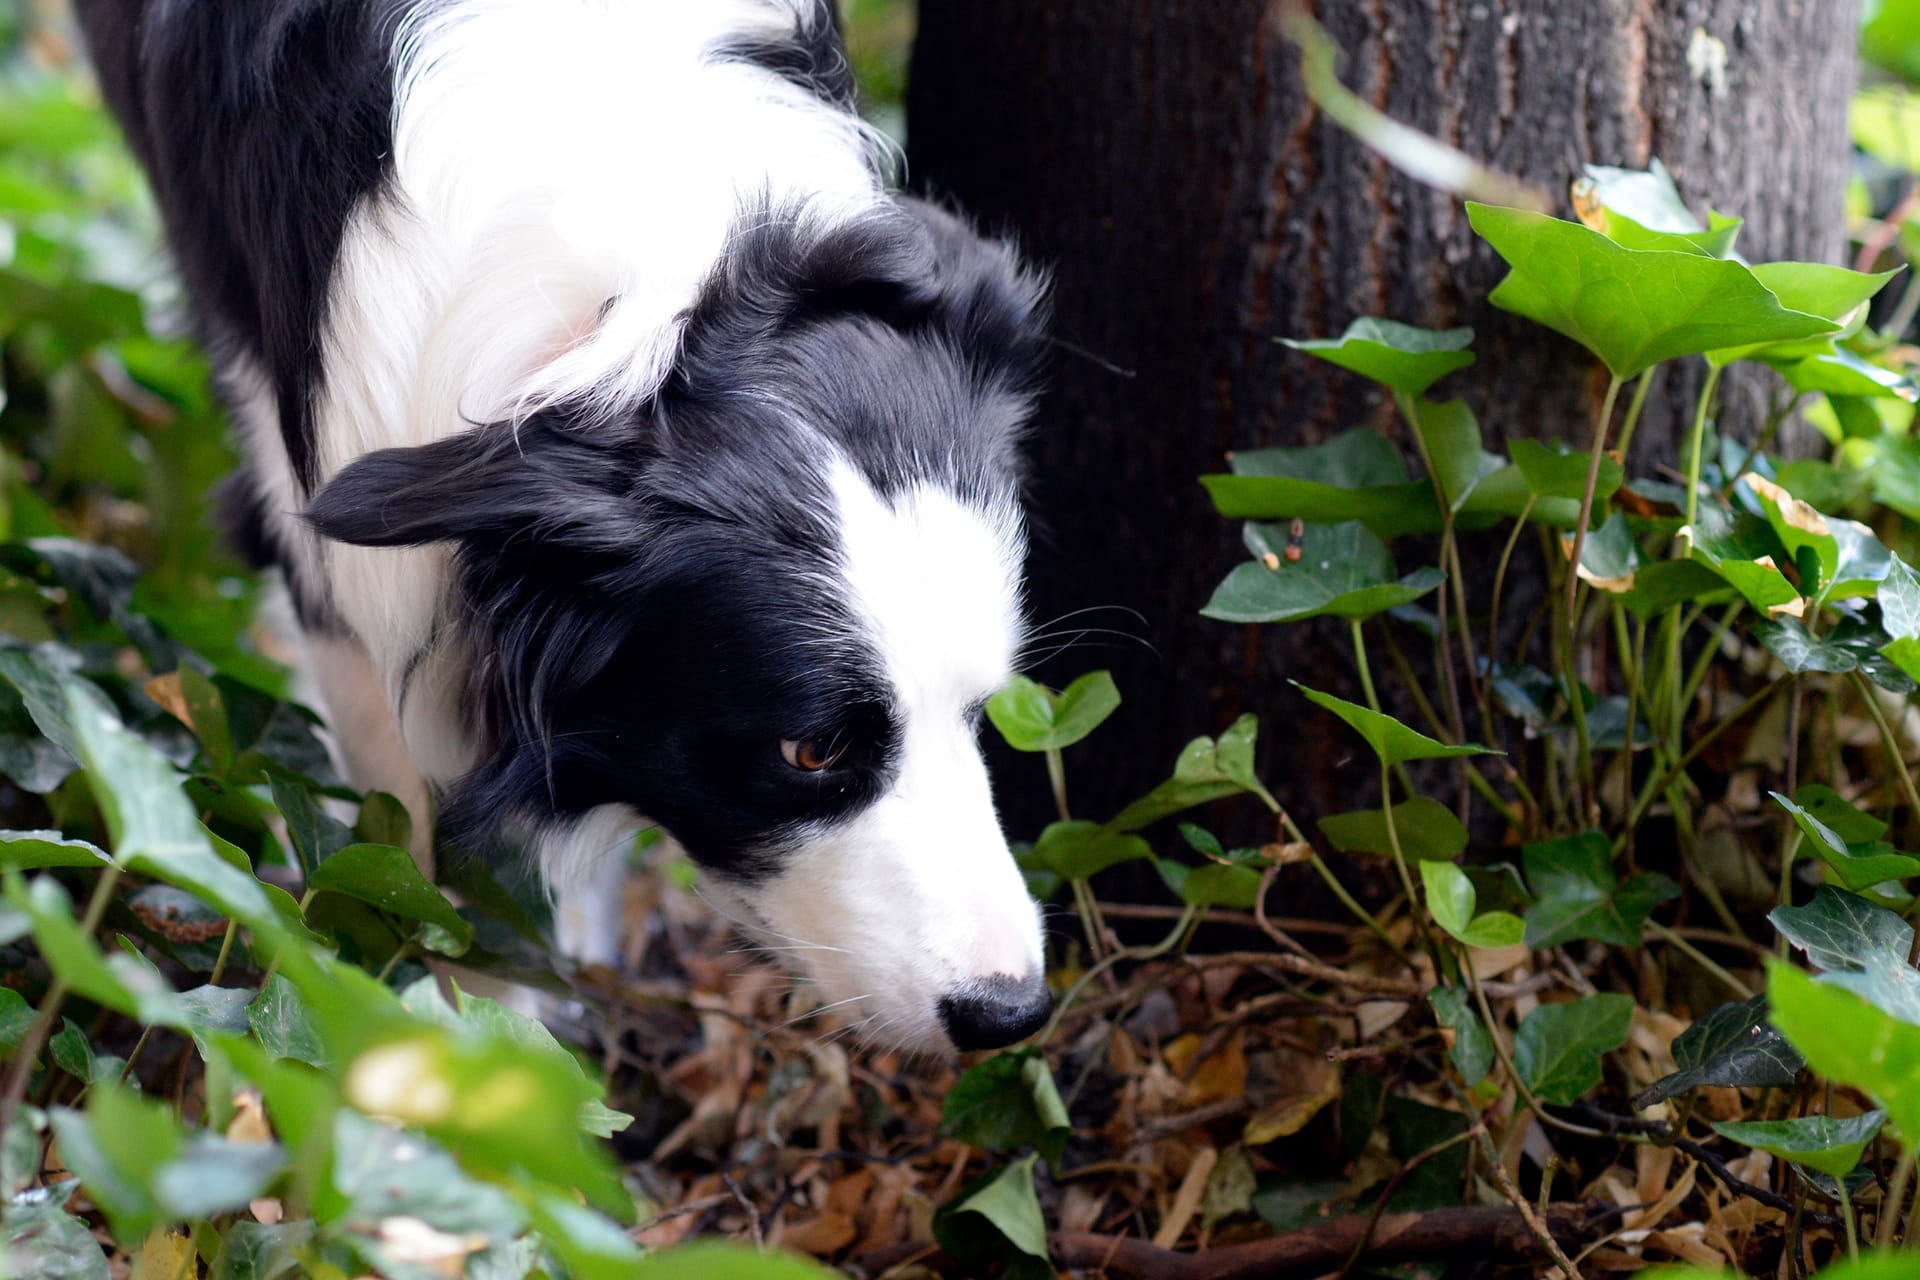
x,y
1193,205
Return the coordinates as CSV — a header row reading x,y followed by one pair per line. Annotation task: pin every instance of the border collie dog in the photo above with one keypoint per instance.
x,y
631,455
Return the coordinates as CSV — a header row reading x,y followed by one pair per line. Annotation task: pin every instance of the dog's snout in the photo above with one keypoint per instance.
x,y
992,1013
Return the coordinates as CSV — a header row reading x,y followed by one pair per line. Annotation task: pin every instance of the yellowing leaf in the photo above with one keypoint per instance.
x,y
1289,1116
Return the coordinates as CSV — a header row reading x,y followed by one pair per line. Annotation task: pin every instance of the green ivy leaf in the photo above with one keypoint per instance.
x,y
1342,570
1452,898
1076,850
1452,439
1558,1049
1206,769
1033,718
44,850
1008,1102
1404,357
1577,894
1393,742
1745,552
1642,209
1359,475
1798,651
1809,288
386,877
1552,474
1733,1047
997,1219
1849,1041
1863,948
1858,865
1798,526
1211,884
1472,1048
40,1239
1427,829
1631,308
1831,1146
1841,931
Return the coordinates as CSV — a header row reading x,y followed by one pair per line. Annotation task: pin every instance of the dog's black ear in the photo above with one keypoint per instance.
x,y
531,480
986,299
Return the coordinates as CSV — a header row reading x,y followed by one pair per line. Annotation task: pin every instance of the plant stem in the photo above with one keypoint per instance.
x,y
226,949
1586,494
49,1016
1657,785
1896,1198
1890,741
1693,953
1159,948
1367,689
1406,876
1700,412
1513,1072
1632,419
1057,776
1846,1212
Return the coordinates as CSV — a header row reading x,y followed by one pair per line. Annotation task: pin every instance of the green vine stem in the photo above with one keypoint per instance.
x,y
1699,434
49,1016
1896,1199
1890,741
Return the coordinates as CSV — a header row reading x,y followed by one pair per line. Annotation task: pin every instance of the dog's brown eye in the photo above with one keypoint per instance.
x,y
810,757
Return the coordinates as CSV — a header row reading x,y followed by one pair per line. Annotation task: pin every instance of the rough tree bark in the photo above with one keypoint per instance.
x,y
1164,161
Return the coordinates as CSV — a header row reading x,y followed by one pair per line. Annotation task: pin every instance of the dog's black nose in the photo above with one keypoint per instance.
x,y
992,1013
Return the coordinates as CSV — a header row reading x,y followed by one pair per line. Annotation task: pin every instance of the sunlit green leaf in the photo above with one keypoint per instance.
x,y
1426,828
1342,570
1392,741
1816,1142
1402,356
1631,308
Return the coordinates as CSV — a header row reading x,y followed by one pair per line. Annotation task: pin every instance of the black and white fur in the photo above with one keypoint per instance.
x,y
626,448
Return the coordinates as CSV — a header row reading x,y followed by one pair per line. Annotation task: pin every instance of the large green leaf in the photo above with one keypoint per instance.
x,y
1810,288
1206,769
1342,570
1860,865
1862,946
724,1260
1008,1102
1392,741
1578,895
1841,931
1077,849
1451,437
386,877
997,1219
1631,308
1849,1041
1472,1047
1735,1047
1032,717
40,1240
1452,899
1359,475
1552,474
1830,1146
1427,831
1558,1048
1402,356
1746,553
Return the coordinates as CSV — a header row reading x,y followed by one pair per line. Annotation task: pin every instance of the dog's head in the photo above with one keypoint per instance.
x,y
765,608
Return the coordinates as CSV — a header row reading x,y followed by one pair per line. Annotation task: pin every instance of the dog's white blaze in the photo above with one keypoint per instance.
x,y
918,892
565,175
